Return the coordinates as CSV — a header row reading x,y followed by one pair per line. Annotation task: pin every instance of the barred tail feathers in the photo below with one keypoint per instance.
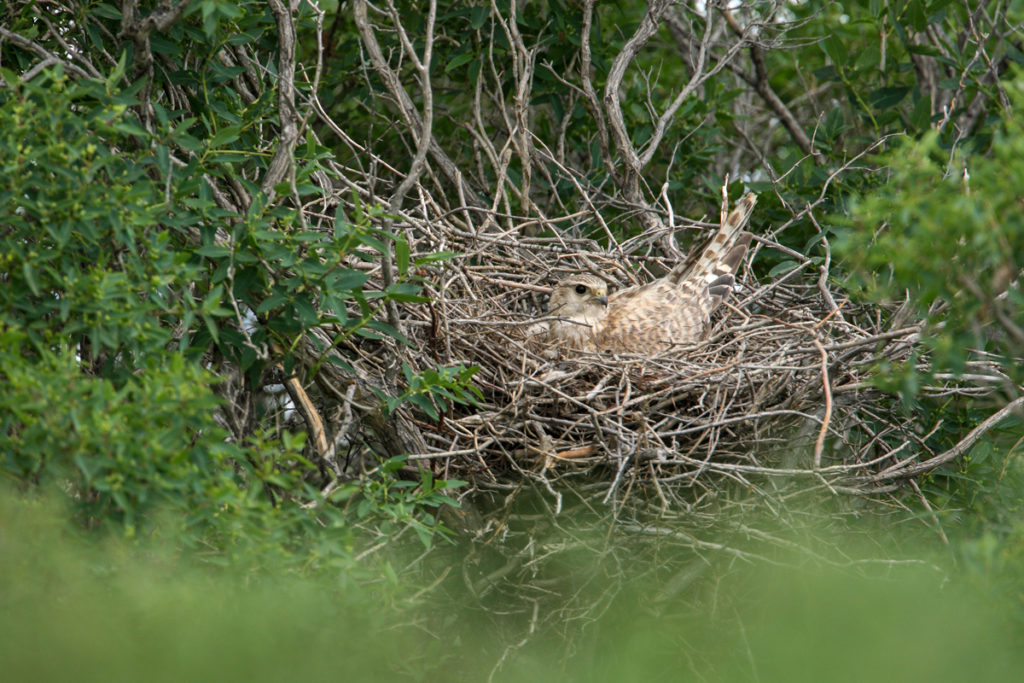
x,y
713,273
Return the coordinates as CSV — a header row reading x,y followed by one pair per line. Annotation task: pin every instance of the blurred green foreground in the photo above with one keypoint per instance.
x,y
72,610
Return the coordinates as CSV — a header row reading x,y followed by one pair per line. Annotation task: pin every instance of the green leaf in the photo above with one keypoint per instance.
x,y
306,312
915,15
869,58
213,251
118,71
459,60
211,327
341,363
382,326
347,279
106,10
272,302
929,50
425,404
436,257
478,16
10,78
782,268
884,98
920,117
30,277
835,49
402,255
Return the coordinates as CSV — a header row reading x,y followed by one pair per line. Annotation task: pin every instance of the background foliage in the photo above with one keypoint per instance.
x,y
204,231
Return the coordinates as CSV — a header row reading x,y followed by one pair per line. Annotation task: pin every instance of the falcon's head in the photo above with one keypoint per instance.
x,y
581,298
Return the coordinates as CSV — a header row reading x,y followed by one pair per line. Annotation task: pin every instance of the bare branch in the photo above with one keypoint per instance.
x,y
406,108
612,105
283,163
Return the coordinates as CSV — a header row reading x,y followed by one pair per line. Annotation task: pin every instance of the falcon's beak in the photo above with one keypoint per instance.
x,y
603,300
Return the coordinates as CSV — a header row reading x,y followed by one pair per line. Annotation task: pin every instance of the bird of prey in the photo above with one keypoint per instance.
x,y
651,318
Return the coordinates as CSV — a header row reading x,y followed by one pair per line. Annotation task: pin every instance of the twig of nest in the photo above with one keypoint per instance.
x,y
781,389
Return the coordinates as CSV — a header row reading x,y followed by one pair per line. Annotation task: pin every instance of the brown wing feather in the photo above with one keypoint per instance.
x,y
650,318
676,309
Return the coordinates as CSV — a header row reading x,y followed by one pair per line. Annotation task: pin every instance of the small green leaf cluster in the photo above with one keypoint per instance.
x,y
84,257
121,450
434,390
399,504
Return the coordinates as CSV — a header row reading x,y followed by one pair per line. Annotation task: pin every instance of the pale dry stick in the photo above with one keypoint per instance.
x,y
69,50
516,646
631,181
314,423
928,506
523,67
646,397
282,165
657,489
343,173
623,463
760,81
873,339
588,87
668,457
712,435
501,191
698,543
846,166
477,448
823,269
776,284
819,444
319,68
247,82
423,134
612,105
501,186
586,198
479,132
744,418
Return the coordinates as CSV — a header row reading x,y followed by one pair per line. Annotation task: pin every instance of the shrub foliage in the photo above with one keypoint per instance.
x,y
213,214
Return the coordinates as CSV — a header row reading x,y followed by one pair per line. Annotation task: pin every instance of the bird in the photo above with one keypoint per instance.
x,y
657,316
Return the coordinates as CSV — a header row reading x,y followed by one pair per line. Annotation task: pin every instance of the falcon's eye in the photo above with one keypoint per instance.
x,y
581,289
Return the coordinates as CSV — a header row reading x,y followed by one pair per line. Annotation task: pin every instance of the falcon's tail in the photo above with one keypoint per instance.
x,y
714,271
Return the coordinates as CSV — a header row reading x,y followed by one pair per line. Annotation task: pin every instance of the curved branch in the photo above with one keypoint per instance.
x,y
284,159
613,107
425,133
759,82
588,87
47,56
913,470
406,108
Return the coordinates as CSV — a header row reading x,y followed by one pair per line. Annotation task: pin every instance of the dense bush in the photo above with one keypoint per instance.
x,y
226,232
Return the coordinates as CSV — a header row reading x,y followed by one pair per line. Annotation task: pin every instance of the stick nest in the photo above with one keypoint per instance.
x,y
781,392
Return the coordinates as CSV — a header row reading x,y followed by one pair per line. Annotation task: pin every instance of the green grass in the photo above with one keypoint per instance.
x,y
74,608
